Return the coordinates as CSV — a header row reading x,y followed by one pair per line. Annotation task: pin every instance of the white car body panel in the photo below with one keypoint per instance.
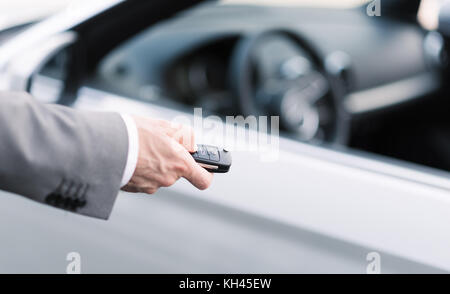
x,y
378,205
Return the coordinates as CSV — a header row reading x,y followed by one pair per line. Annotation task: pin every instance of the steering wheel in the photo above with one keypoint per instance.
x,y
276,73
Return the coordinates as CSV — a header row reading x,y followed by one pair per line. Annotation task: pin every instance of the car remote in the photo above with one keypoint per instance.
x,y
213,159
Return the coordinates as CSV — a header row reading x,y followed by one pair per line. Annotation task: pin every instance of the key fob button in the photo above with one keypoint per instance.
x,y
214,157
202,153
212,149
213,153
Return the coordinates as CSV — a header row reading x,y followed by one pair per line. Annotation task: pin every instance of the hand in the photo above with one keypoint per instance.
x,y
164,157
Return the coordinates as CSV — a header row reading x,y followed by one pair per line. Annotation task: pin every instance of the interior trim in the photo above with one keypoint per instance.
x,y
392,94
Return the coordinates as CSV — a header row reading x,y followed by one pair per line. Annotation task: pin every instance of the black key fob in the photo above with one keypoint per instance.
x,y
213,159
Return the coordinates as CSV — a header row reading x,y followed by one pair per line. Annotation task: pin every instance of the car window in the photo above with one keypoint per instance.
x,y
334,75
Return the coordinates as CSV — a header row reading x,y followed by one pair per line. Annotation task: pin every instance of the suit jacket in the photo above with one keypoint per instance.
x,y
56,155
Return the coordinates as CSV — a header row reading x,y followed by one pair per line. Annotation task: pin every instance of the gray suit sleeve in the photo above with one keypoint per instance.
x,y
66,158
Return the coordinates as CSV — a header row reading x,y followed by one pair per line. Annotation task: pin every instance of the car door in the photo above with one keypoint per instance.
x,y
312,210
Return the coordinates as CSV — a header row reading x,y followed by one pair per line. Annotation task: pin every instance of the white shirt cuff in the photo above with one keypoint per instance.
x,y
133,149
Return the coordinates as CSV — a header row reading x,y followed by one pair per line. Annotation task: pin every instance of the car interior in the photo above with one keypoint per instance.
x,y
335,76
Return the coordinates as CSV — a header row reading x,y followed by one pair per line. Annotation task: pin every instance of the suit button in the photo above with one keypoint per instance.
x,y
59,201
65,202
51,199
80,202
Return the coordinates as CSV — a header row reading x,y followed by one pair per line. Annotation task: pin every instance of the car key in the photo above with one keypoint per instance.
x,y
213,159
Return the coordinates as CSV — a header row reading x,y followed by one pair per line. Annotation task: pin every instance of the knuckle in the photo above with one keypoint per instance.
x,y
173,147
162,123
150,190
167,182
181,168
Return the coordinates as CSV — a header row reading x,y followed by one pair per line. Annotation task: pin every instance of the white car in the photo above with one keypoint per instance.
x,y
360,182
